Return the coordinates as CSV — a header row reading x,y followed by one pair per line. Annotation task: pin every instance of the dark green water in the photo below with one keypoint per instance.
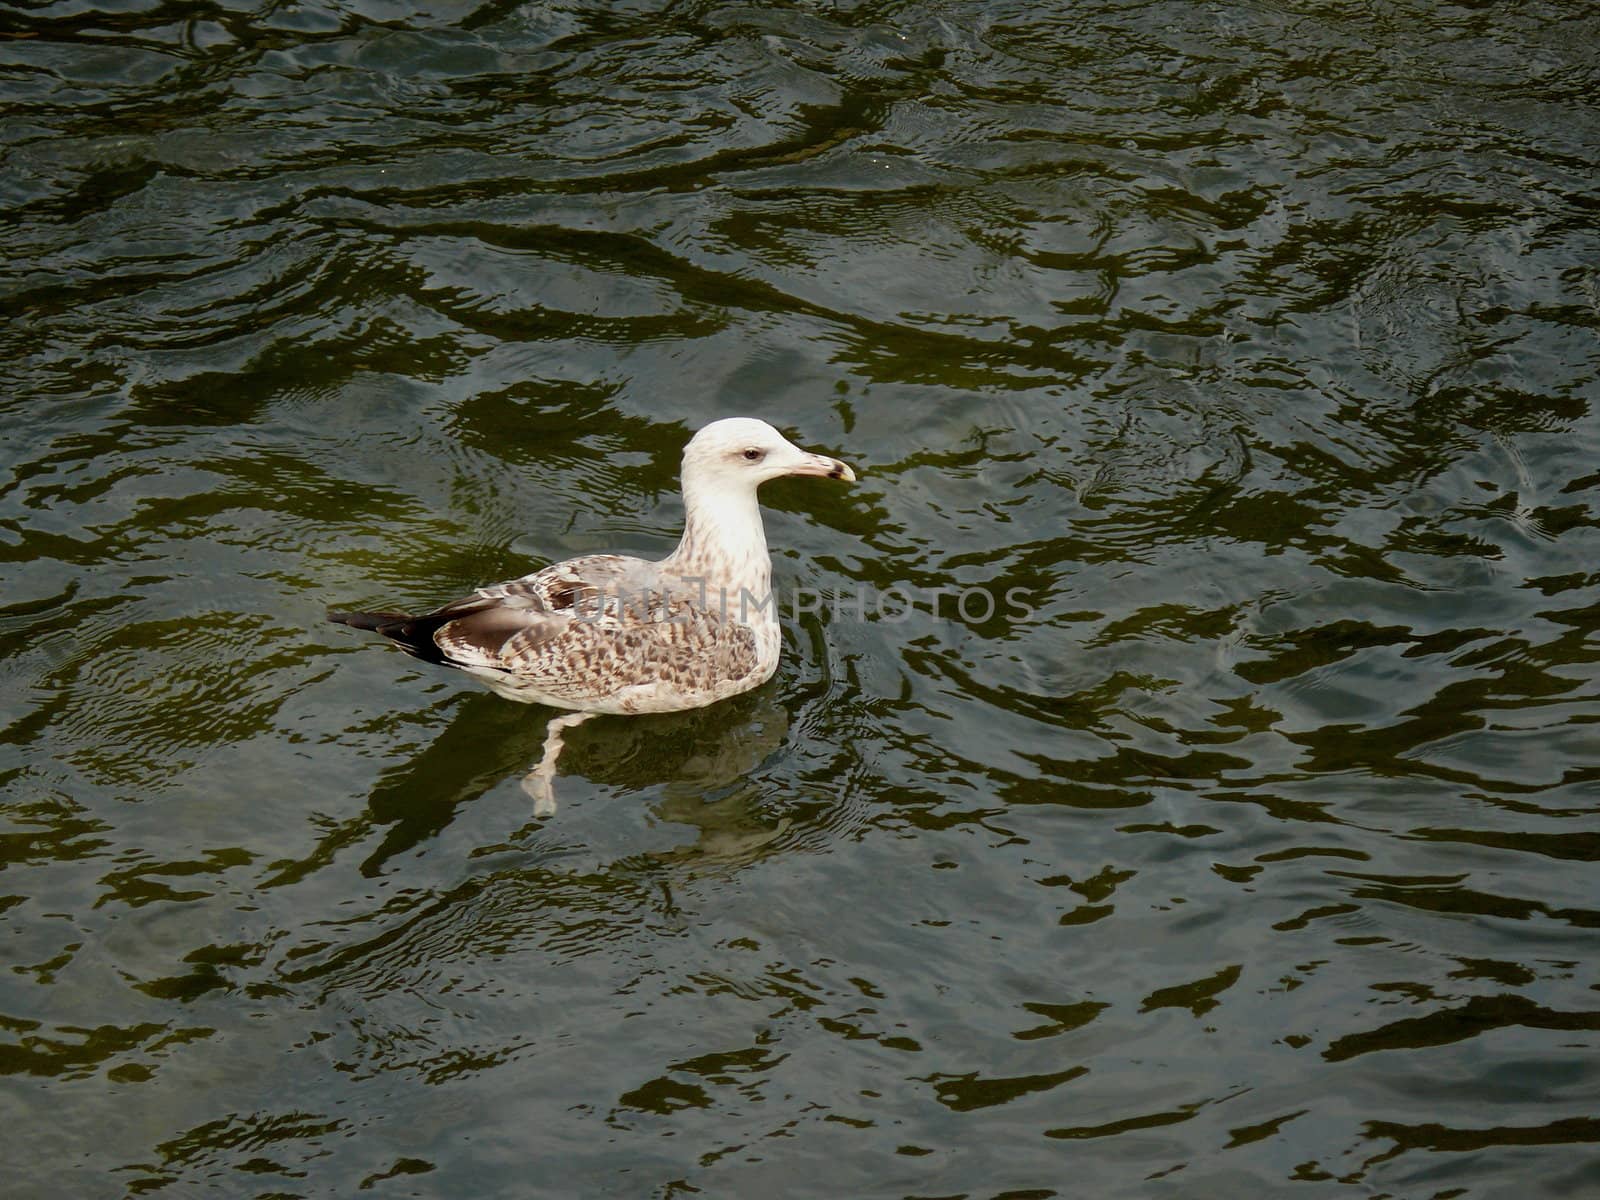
x,y
1256,342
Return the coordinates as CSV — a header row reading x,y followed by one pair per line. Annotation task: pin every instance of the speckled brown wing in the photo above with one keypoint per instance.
x,y
575,634
578,581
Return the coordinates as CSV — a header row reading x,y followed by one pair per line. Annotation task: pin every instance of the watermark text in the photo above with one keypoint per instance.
x,y
973,604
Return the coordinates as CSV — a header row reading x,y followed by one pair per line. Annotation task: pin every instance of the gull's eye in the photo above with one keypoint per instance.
x,y
754,455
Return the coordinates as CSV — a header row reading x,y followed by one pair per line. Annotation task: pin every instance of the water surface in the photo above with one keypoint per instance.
x,y
1255,343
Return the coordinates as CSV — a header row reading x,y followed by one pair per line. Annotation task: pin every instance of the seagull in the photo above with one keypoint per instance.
x,y
611,634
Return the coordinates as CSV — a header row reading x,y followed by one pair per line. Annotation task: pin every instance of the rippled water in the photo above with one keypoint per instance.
x,y
1254,342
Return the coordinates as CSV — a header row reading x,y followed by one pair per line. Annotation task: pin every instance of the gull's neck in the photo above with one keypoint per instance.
x,y
723,544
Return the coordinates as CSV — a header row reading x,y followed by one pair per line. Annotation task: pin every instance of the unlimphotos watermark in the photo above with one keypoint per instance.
x,y
973,604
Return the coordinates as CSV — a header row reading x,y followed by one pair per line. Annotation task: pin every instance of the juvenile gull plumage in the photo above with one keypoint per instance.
x,y
610,634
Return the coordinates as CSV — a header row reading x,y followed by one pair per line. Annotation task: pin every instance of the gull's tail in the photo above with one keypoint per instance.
x,y
414,635
373,621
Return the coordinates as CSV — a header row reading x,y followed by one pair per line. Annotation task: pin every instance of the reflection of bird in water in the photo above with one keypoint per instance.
x,y
702,763
611,634
699,762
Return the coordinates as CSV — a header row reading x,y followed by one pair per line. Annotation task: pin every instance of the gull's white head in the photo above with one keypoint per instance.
x,y
739,453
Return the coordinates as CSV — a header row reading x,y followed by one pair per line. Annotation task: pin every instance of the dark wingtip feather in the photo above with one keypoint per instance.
x,y
414,635
375,621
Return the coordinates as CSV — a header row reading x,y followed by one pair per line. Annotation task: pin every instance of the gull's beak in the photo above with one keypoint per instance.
x,y
821,464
